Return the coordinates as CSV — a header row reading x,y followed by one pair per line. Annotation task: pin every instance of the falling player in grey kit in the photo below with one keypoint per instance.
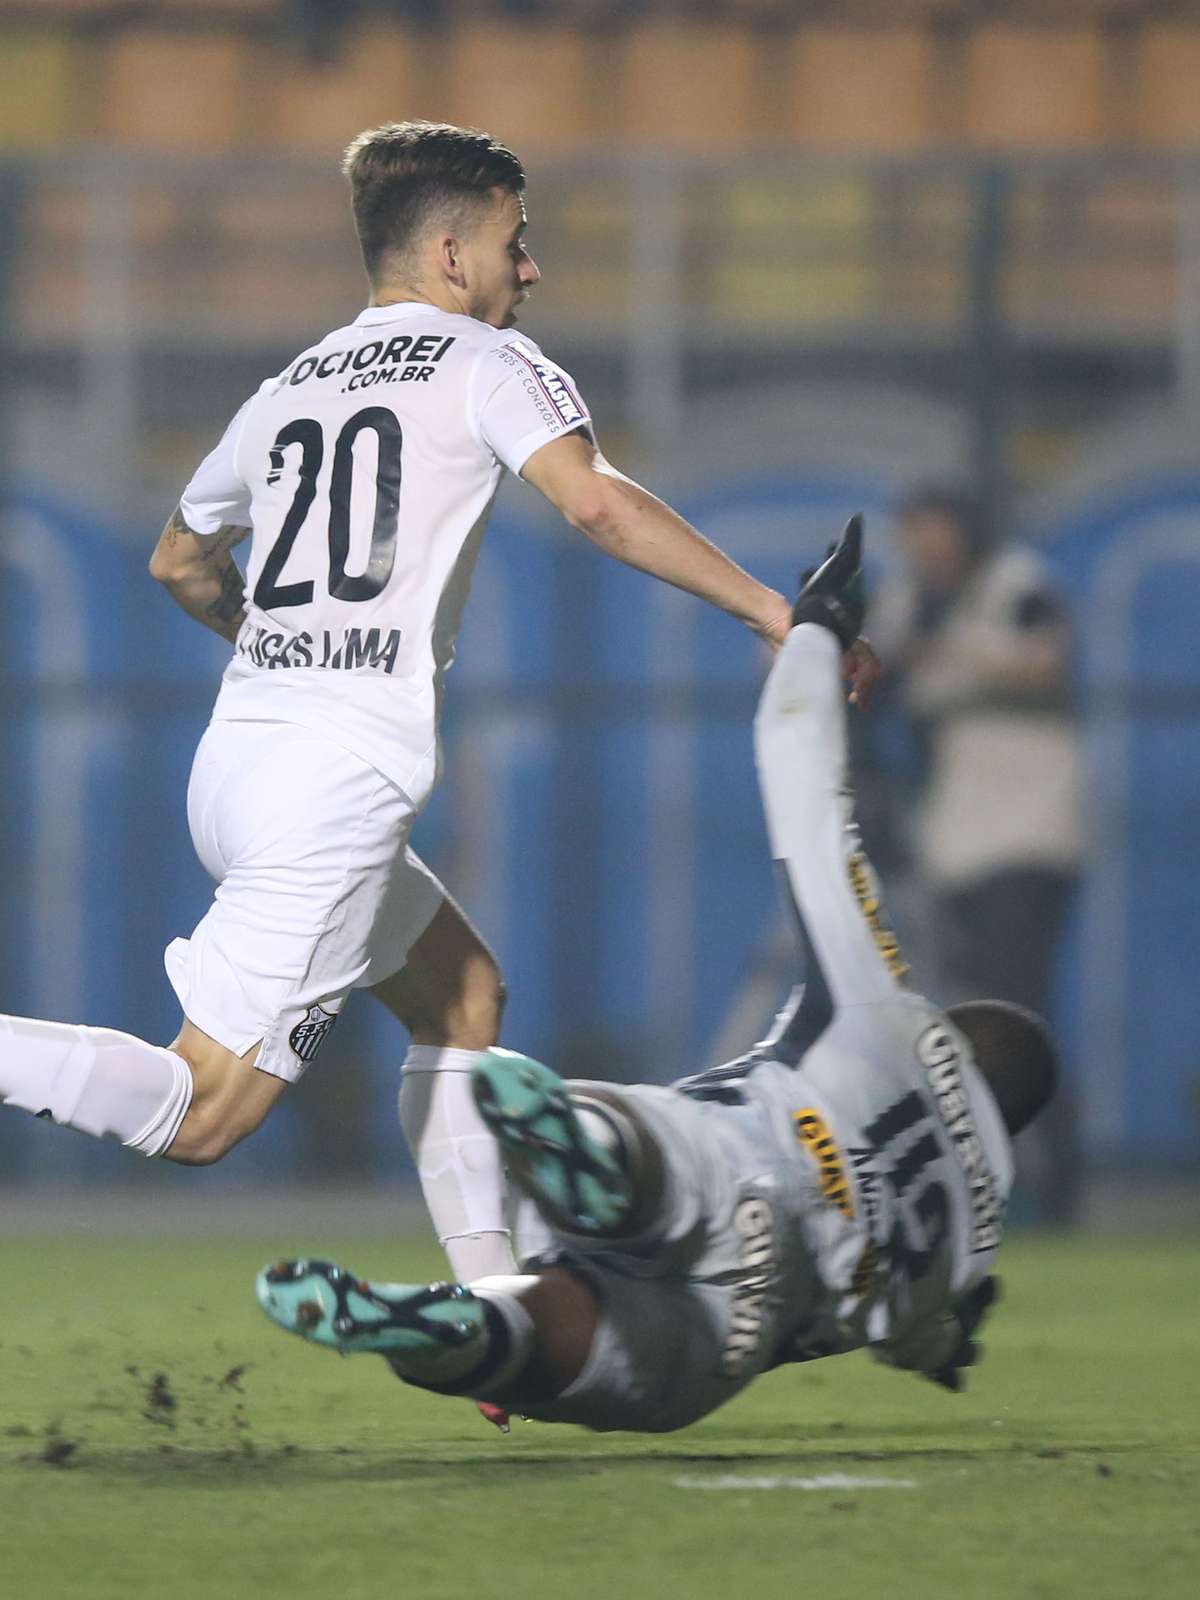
x,y
843,1185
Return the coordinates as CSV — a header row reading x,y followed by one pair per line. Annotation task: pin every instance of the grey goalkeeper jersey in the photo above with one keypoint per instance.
x,y
869,1087
842,1185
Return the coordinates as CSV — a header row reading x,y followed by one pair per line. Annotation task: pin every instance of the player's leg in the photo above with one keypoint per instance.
x,y
231,1098
450,997
303,839
527,1335
96,1080
576,1155
644,1174
190,1102
633,1169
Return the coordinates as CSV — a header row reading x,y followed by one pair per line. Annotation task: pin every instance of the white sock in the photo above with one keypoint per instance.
x,y
458,1161
493,1358
103,1083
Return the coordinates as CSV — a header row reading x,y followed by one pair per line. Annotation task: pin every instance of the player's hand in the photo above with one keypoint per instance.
x,y
969,1313
863,670
832,595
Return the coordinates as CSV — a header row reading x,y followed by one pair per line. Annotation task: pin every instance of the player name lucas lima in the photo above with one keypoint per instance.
x,y
349,649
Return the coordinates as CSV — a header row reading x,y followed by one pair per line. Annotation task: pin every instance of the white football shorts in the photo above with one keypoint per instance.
x,y
317,891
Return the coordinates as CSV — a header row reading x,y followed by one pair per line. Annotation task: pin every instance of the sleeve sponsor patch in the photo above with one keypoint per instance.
x,y
547,385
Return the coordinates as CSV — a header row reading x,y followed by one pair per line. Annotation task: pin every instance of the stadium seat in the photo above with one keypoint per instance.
x,y
288,258
685,86
529,86
187,10
793,251
854,88
580,231
52,287
35,87
1168,75
384,73
1034,86
161,89
1093,251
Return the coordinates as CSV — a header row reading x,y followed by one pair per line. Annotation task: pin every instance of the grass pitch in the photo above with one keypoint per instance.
x,y
159,1437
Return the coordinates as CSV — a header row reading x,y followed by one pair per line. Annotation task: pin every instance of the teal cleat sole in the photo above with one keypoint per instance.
x,y
330,1306
573,1180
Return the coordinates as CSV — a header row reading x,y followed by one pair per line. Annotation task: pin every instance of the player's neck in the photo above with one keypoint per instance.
x,y
393,294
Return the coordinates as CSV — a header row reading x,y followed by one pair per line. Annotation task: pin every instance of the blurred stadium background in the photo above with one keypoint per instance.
x,y
800,256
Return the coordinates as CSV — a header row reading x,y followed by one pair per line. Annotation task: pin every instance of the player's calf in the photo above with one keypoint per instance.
x,y
443,1336
450,998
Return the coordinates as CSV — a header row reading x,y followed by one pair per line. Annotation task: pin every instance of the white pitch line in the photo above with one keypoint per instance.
x,y
830,1480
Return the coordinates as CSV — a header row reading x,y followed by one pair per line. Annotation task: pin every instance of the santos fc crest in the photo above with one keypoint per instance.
x,y
307,1037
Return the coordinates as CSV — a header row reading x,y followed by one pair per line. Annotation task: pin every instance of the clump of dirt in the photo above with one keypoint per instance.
x,y
309,1313
160,1401
57,1449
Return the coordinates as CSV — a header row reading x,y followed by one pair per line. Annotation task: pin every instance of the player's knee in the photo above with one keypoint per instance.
x,y
490,999
211,1129
229,1101
204,1137
473,1019
466,1013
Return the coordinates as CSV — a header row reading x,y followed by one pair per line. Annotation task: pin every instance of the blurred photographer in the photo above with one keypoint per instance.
x,y
978,642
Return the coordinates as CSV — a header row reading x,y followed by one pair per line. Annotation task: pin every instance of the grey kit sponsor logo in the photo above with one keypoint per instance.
x,y
938,1052
755,1225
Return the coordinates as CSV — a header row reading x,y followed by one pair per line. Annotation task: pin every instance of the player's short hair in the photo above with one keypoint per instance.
x,y
403,173
1014,1052
956,505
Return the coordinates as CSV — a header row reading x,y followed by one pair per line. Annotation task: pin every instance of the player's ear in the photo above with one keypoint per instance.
x,y
450,259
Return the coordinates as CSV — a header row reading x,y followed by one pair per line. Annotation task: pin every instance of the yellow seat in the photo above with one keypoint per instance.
x,y
685,86
168,90
530,86
36,68
856,88
1034,86
81,10
1168,86
794,251
53,289
385,73
580,235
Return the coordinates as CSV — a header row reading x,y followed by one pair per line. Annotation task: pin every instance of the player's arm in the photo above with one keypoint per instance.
x,y
800,743
201,575
628,522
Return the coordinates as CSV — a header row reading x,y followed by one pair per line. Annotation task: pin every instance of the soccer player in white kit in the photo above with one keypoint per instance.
x,y
841,1186
363,475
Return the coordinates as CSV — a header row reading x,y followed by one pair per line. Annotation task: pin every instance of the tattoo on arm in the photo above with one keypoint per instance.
x,y
225,613
202,574
175,528
224,540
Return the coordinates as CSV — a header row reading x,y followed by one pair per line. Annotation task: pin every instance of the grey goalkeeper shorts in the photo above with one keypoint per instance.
x,y
691,1309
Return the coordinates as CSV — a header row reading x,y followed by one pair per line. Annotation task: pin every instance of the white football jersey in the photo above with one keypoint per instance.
x,y
366,471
